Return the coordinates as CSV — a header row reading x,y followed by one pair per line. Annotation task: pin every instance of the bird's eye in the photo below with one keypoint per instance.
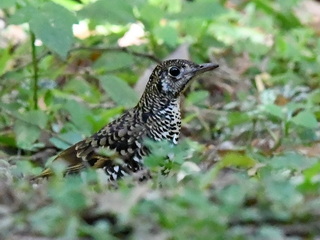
x,y
174,71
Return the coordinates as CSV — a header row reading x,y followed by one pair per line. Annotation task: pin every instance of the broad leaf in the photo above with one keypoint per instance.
x,y
274,110
119,91
116,12
305,119
52,25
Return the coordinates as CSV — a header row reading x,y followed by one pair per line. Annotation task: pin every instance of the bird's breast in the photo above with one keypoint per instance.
x,y
166,123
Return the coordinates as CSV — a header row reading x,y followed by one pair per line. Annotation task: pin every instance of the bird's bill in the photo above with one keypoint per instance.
x,y
205,67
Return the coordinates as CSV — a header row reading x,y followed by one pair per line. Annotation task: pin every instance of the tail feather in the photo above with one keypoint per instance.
x,y
78,157
69,156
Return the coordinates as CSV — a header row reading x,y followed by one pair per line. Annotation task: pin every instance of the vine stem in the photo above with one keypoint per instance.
x,y
119,49
35,71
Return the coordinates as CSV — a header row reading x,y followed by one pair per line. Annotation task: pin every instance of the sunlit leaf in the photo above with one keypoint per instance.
x,y
237,160
4,59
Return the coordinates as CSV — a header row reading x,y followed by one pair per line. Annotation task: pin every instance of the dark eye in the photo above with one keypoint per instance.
x,y
174,71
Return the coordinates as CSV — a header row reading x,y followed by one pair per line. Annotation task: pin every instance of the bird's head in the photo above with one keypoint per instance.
x,y
172,77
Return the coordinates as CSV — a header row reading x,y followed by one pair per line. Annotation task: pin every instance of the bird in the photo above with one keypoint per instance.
x,y
156,116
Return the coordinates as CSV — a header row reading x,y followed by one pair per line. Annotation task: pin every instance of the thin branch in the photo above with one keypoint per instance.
x,y
118,49
114,49
45,53
35,71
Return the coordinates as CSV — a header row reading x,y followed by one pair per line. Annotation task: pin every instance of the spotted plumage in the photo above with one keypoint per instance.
x,y
156,116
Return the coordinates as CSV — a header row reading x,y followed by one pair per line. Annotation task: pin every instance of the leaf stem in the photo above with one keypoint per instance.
x,y
35,71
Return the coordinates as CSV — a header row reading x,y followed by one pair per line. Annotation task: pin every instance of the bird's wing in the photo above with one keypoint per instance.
x,y
123,136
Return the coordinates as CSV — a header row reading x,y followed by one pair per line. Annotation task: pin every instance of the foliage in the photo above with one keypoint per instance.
x,y
247,166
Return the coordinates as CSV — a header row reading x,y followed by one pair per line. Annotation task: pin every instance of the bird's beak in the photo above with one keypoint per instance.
x,y
205,67
201,68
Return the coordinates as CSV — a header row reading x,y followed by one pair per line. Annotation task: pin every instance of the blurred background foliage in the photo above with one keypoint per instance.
x,y
247,166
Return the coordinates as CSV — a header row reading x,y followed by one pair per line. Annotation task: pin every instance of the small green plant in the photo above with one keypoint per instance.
x,y
247,165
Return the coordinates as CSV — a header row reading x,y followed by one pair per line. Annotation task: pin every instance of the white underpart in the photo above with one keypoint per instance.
x,y
165,86
116,168
135,158
138,144
114,175
172,110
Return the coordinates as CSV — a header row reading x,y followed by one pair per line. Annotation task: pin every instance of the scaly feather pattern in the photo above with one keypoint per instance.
x,y
156,116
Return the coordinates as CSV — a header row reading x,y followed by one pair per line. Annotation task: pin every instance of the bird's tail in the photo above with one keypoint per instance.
x,y
69,156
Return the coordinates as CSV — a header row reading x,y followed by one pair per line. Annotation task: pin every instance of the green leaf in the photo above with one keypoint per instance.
x,y
23,15
119,91
7,3
7,140
114,61
26,135
69,193
167,34
151,15
236,118
205,10
28,131
80,116
37,117
312,171
116,12
83,88
237,160
315,96
53,26
226,195
285,18
50,215
306,119
197,97
291,160
270,232
4,59
65,140
282,191
274,110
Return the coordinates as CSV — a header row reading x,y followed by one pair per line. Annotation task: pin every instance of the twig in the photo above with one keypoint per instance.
x,y
35,71
45,53
118,49
114,49
251,132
